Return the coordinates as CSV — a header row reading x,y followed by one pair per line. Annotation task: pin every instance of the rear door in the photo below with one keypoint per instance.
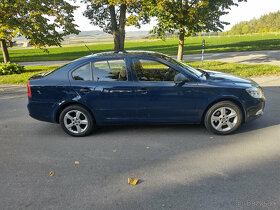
x,y
109,91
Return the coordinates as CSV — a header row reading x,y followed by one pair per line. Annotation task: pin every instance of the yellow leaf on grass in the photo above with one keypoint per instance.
x,y
132,181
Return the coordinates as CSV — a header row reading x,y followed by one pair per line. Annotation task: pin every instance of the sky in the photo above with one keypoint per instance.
x,y
244,12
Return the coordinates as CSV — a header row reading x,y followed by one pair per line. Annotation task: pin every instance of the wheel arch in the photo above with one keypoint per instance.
x,y
236,101
62,107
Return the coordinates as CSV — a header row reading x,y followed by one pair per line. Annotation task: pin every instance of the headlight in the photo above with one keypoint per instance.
x,y
255,92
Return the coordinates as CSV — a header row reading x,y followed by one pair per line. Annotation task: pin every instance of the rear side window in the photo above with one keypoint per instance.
x,y
82,73
110,70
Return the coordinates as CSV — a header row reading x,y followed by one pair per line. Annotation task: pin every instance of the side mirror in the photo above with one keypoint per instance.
x,y
180,79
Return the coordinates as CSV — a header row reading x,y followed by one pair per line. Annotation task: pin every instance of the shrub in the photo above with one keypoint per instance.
x,y
10,68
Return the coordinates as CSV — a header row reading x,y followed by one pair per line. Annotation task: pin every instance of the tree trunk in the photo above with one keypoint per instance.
x,y
5,51
122,26
181,44
115,31
116,36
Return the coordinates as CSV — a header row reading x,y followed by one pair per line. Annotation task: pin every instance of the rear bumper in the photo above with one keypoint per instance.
x,y
255,111
40,111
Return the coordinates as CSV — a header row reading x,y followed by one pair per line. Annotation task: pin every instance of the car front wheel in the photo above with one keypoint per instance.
x,y
223,118
76,121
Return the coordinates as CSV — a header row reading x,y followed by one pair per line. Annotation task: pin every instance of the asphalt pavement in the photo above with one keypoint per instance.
x,y
179,166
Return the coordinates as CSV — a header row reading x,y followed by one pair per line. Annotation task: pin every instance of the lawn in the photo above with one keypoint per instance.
x,y
244,70
231,68
22,78
192,46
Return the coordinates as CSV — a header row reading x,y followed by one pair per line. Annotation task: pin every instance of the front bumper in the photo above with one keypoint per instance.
x,y
256,111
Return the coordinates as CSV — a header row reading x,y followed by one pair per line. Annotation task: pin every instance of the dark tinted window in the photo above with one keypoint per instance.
x,y
148,70
82,73
110,70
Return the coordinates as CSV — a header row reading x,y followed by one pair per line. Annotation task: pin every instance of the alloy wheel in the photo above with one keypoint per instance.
x,y
224,119
75,121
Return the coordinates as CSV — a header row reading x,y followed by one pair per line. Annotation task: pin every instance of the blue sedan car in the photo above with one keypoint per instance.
x,y
141,87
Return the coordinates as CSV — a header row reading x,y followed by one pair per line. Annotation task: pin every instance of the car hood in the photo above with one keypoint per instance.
x,y
222,77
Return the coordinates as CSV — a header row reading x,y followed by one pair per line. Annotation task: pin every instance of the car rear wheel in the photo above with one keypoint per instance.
x,y
76,121
223,118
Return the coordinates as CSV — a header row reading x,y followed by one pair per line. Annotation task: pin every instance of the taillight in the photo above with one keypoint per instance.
x,y
29,94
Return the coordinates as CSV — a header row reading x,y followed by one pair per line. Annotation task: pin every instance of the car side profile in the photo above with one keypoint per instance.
x,y
141,87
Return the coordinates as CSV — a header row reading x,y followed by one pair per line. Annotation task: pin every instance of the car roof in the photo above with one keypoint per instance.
x,y
117,54
112,54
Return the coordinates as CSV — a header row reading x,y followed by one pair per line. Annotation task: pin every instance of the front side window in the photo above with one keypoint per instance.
x,y
183,65
110,70
148,70
82,73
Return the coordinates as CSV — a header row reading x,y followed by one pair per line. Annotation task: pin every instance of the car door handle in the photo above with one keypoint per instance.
x,y
142,91
85,90
120,91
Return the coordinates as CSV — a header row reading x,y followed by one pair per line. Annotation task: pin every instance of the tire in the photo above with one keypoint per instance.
x,y
223,118
76,121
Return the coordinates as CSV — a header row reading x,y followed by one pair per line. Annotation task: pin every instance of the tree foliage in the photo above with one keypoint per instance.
x,y
188,16
42,22
98,13
266,23
113,15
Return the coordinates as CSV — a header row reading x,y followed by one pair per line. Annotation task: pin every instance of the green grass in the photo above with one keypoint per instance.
x,y
192,46
244,70
22,78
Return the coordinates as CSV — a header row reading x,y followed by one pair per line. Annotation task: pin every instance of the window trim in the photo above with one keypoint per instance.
x,y
107,61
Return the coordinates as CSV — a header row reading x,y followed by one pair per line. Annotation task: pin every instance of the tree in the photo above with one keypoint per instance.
x,y
187,17
266,23
36,20
245,29
111,16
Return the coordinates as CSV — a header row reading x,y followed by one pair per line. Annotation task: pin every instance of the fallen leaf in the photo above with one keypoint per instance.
x,y
51,173
77,162
148,147
114,150
132,181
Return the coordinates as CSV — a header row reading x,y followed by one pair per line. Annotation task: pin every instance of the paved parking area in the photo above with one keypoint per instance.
x,y
180,166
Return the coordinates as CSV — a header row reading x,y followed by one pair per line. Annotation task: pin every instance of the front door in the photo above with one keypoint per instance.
x,y
158,98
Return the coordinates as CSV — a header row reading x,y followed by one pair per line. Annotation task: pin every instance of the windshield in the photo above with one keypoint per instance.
x,y
184,66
